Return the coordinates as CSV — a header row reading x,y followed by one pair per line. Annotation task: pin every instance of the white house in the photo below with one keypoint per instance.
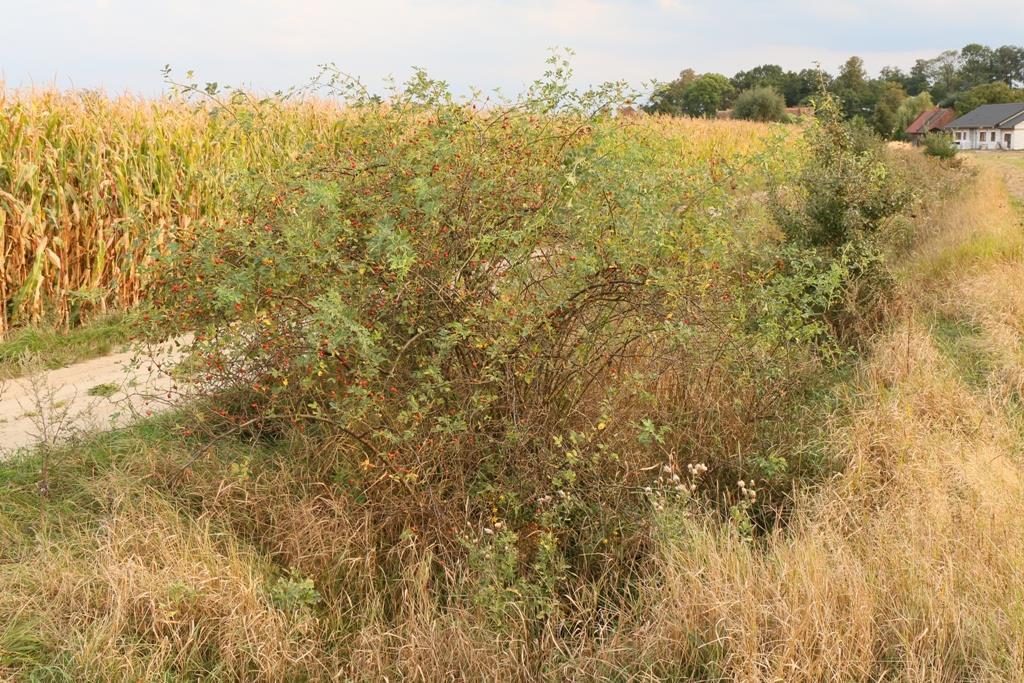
x,y
990,126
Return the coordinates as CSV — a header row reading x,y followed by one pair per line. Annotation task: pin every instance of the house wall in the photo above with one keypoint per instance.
x,y
993,138
965,138
972,138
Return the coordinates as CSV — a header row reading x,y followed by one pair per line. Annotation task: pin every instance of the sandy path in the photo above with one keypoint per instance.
x,y
101,393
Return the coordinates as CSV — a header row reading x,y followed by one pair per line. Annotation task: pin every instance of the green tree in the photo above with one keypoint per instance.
x,y
990,93
668,97
1008,65
706,95
800,86
976,65
894,74
766,75
910,108
886,119
852,88
919,78
760,104
944,74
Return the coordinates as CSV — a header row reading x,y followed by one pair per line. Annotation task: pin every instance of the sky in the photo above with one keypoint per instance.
x,y
122,45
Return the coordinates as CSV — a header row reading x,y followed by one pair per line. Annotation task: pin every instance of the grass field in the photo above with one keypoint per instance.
x,y
648,437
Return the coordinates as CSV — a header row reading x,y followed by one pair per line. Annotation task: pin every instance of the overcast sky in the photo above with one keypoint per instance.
x,y
267,44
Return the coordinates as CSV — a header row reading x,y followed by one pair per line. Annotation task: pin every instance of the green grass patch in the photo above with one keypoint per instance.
x,y
979,249
46,347
960,341
105,390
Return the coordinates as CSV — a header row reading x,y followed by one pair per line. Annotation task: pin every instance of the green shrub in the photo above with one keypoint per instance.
x,y
525,314
760,104
850,205
846,191
940,145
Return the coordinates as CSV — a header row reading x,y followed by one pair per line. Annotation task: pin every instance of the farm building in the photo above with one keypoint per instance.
x,y
990,126
929,121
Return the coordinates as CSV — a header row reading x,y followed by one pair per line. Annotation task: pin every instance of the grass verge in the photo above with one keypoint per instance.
x,y
31,348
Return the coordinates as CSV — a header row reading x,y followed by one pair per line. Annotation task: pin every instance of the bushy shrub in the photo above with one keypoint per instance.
x,y
846,191
531,315
760,104
940,145
849,204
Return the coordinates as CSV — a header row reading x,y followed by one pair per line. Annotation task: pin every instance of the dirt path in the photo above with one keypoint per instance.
x,y
101,393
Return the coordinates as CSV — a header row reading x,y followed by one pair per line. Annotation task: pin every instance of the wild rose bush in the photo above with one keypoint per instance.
x,y
526,316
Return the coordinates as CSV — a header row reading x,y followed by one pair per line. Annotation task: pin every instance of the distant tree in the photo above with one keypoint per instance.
x,y
852,88
919,78
885,118
668,97
766,75
976,66
990,93
799,86
894,74
910,109
944,74
951,78
706,95
760,104
1008,65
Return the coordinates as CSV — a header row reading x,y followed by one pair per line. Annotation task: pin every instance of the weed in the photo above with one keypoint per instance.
x,y
105,390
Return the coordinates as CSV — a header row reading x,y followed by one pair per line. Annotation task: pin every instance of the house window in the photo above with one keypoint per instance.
x,y
1006,139
981,136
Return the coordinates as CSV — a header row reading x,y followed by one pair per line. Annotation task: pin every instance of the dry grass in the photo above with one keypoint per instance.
x,y
155,593
907,566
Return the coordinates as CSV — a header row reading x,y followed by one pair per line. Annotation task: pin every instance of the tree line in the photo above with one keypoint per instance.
x,y
963,79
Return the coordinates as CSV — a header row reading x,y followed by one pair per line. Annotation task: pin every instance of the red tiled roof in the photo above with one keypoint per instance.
x,y
931,119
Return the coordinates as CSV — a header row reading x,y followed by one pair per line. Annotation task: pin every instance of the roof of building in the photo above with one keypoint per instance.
x,y
1012,123
931,119
991,116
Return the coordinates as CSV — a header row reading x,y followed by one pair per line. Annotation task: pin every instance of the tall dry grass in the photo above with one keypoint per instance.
x,y
908,565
